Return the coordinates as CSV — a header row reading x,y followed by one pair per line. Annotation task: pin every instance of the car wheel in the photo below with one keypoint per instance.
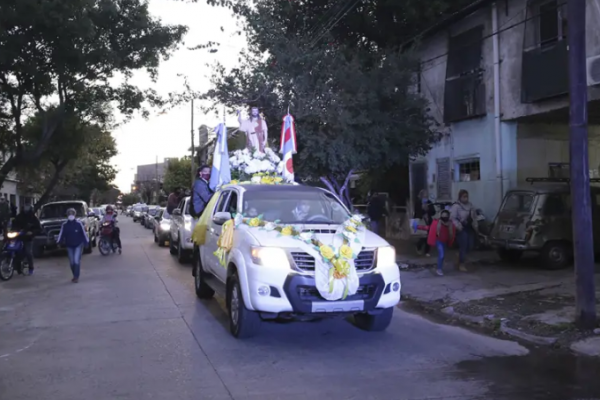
x,y
38,251
203,291
556,255
510,256
243,323
376,322
181,256
172,248
155,238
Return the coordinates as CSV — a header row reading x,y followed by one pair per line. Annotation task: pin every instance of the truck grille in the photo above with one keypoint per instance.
x,y
364,262
310,293
53,229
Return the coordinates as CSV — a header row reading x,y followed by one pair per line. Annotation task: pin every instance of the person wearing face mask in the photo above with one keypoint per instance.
x,y
73,237
464,217
111,217
27,221
201,192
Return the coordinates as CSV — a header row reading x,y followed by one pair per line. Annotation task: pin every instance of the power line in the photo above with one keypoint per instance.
x,y
330,27
318,26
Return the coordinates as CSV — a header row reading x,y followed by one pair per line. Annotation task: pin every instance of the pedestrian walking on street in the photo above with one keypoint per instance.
x,y
73,236
377,211
425,210
441,235
201,192
5,215
464,217
27,222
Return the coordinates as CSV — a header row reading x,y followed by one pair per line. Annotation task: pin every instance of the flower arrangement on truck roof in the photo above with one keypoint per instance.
x,y
281,250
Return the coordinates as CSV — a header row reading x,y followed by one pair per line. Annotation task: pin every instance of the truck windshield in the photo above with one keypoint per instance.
x,y
59,210
292,207
518,202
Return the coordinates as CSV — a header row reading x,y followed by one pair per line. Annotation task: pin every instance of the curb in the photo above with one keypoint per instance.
x,y
481,322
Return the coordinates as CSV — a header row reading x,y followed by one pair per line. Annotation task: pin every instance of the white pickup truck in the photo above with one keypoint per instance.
x,y
269,275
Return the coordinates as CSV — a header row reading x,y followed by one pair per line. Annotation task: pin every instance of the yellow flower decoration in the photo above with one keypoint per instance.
x,y
268,180
287,231
346,251
350,228
234,182
341,268
326,252
254,222
278,179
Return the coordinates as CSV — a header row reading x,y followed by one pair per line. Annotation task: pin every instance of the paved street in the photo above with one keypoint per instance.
x,y
133,329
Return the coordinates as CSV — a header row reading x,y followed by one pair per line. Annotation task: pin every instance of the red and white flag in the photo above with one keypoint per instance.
x,y
288,146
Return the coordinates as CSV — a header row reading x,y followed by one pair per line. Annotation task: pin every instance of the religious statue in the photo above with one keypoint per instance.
x,y
255,129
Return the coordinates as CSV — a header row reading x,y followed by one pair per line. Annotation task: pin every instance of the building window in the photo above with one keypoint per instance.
x,y
550,21
464,92
467,170
559,170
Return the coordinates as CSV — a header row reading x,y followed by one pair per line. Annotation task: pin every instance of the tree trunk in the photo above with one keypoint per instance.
x,y
8,167
51,185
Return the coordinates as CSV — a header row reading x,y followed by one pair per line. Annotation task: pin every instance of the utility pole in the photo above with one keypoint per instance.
x,y
192,136
156,184
579,165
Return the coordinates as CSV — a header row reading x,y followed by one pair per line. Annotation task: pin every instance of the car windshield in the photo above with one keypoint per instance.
x,y
518,202
293,206
153,211
137,208
59,210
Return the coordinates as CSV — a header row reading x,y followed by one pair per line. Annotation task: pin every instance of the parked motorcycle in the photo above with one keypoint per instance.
x,y
106,243
12,256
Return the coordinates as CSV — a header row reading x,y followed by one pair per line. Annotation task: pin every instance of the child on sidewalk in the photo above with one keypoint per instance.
x,y
441,234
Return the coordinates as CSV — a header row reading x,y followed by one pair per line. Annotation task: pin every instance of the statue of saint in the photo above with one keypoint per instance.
x,y
255,129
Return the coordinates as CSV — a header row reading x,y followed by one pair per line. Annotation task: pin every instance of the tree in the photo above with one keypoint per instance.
x,y
75,163
178,175
130,199
353,105
59,59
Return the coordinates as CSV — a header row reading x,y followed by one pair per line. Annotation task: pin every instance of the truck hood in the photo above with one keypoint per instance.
x,y
324,233
52,220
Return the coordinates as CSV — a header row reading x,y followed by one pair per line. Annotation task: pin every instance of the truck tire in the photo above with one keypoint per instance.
x,y
556,255
38,251
376,322
243,323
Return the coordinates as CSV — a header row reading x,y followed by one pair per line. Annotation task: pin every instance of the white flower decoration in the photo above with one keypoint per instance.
x,y
306,236
270,226
255,179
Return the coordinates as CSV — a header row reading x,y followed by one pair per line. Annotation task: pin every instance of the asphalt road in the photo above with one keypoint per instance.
x,y
132,328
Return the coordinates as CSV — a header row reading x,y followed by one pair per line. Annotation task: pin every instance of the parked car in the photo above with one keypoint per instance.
x,y
537,218
145,209
147,222
270,276
53,215
138,209
182,225
162,227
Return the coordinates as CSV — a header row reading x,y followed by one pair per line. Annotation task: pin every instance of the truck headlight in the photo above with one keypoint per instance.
x,y
12,235
386,256
273,257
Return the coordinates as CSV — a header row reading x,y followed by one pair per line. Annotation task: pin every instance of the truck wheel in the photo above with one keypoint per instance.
x,y
243,323
374,323
510,256
38,251
556,255
203,291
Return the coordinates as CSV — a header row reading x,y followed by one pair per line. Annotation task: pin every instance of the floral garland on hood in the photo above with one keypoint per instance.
x,y
335,273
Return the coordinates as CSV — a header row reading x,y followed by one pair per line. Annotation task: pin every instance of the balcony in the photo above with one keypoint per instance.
x,y
464,98
545,72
